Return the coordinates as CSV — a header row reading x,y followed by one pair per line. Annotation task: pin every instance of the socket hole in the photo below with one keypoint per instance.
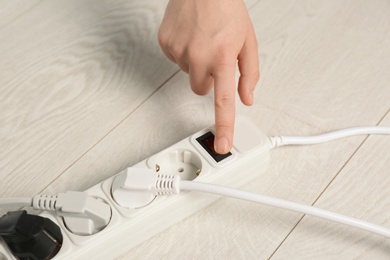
x,y
180,161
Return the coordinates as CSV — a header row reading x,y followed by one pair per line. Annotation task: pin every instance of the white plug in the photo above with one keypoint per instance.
x,y
83,214
191,158
137,187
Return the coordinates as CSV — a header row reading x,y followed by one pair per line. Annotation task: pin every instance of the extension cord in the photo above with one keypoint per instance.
x,y
129,227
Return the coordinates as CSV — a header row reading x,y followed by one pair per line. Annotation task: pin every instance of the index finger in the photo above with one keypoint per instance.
x,y
225,107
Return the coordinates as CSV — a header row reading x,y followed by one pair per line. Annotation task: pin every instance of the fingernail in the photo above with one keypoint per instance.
x,y
223,145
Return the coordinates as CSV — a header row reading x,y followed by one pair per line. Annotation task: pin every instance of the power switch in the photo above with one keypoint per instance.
x,y
207,142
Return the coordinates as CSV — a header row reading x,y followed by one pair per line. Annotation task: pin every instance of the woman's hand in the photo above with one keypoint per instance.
x,y
206,38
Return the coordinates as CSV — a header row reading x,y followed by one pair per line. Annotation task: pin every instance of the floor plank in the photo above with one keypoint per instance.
x,y
360,190
299,173
12,10
159,124
92,106
68,79
322,56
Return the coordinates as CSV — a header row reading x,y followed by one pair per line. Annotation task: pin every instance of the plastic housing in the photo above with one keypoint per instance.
x,y
130,227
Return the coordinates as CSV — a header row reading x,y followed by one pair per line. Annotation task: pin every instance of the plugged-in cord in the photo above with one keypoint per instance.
x,y
83,214
156,184
138,187
15,202
316,139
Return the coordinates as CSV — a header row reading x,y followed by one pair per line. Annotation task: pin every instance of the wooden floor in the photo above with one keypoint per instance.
x,y
85,92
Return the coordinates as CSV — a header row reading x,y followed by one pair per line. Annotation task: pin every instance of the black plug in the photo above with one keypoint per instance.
x,y
30,237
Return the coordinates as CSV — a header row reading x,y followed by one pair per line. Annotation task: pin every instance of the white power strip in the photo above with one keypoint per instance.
x,y
189,158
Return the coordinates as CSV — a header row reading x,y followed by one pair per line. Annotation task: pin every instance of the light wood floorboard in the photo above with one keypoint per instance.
x,y
360,190
87,92
71,71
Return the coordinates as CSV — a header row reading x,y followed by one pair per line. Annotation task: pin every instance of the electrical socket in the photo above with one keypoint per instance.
x,y
193,160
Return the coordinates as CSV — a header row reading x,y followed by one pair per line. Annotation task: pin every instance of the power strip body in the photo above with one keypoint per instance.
x,y
130,227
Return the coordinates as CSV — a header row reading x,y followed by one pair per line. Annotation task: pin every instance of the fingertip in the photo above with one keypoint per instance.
x,y
222,145
246,87
223,137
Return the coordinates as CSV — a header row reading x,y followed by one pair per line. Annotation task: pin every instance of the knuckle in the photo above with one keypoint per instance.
x,y
222,125
224,58
256,75
253,76
169,45
195,57
162,38
177,50
224,47
223,101
225,51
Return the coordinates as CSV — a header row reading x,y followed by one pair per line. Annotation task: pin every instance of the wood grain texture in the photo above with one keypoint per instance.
x,y
12,10
228,228
360,190
78,105
325,54
68,79
222,222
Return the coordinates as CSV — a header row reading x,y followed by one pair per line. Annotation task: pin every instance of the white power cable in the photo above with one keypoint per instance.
x,y
128,187
284,204
15,202
316,139
136,189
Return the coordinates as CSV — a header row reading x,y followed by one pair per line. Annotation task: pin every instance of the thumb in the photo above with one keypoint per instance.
x,y
248,64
